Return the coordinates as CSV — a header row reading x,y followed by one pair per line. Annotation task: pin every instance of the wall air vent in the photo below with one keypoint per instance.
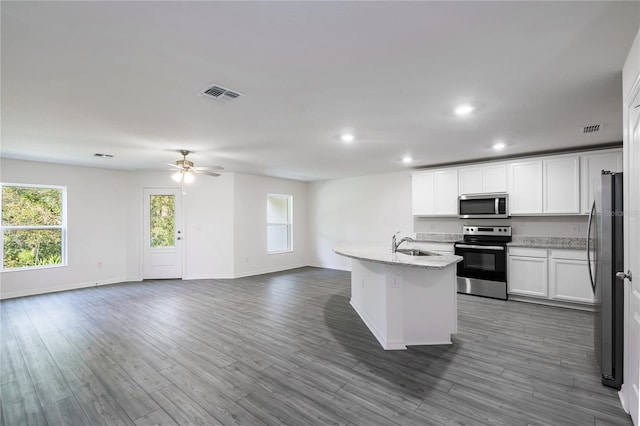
x,y
219,93
591,129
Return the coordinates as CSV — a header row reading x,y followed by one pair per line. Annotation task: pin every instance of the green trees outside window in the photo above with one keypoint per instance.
x,y
32,226
162,221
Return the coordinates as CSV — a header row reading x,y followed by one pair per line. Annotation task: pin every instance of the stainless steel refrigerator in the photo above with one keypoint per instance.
x,y
605,252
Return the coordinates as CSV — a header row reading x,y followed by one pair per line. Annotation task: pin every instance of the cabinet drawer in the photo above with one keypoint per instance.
x,y
568,254
527,252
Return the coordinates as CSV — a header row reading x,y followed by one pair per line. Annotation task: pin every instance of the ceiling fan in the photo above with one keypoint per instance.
x,y
184,170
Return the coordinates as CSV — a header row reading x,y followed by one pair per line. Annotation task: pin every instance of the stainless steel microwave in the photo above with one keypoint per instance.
x,y
483,206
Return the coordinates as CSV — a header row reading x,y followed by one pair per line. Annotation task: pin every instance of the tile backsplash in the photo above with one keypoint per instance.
x,y
557,226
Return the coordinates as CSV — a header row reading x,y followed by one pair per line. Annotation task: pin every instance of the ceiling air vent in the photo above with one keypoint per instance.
x,y
219,93
591,129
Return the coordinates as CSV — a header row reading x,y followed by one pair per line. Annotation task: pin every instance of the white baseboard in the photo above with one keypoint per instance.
x,y
53,289
329,266
386,344
549,302
208,277
268,270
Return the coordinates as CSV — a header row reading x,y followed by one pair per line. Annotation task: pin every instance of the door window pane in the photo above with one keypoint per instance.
x,y
162,222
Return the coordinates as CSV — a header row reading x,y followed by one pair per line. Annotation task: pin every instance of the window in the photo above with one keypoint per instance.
x,y
279,212
33,227
162,218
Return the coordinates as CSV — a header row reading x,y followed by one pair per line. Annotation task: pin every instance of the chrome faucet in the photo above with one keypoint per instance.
x,y
395,245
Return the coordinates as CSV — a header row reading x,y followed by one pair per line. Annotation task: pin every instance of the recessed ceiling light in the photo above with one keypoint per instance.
x,y
347,137
464,109
407,159
499,146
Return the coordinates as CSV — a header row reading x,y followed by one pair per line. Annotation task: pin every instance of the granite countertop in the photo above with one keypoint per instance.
x,y
570,243
433,237
384,255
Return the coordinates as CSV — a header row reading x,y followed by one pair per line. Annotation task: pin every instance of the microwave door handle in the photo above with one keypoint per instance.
x,y
497,204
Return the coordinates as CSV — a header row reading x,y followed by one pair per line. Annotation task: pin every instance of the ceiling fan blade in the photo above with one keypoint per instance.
x,y
209,168
175,166
208,173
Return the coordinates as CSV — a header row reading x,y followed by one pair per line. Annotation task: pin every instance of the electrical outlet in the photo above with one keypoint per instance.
x,y
395,282
362,282
576,229
246,259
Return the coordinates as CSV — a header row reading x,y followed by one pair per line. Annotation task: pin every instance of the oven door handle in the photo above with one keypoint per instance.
x,y
495,248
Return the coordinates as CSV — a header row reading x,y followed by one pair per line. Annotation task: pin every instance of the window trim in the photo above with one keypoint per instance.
x,y
288,224
62,227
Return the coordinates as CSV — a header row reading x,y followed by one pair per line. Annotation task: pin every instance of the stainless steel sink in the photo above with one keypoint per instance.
x,y
416,252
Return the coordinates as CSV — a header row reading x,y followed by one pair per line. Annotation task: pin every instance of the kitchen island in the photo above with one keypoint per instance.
x,y
404,299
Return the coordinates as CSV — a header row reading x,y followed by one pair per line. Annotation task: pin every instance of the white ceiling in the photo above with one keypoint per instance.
x,y
121,78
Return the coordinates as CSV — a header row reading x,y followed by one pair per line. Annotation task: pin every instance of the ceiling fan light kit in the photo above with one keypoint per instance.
x,y
184,170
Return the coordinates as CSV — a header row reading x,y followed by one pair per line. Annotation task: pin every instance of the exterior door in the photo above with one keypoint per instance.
x,y
162,240
632,253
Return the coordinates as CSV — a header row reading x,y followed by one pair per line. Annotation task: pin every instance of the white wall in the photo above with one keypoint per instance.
x,y
250,220
207,223
360,210
370,209
97,227
224,222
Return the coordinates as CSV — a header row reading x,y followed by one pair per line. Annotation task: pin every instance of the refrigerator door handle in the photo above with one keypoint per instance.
x,y
624,275
591,214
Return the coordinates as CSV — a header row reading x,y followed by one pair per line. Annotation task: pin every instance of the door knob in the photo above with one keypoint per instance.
x,y
624,275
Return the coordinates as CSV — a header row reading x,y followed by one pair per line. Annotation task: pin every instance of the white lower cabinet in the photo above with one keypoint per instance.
x,y
558,275
569,276
527,270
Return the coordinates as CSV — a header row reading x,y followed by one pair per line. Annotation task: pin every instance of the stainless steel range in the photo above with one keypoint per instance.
x,y
483,270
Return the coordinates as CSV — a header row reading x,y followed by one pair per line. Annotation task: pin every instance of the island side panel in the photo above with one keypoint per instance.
x,y
371,297
429,305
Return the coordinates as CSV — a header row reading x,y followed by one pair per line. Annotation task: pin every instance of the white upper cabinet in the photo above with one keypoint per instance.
x,y
561,185
422,193
494,178
483,179
591,169
525,187
471,180
435,193
446,192
550,185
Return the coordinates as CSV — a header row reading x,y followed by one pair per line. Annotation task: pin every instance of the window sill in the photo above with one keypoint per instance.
x,y
32,268
280,252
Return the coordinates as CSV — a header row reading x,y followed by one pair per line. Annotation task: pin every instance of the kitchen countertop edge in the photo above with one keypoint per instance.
x,y
384,256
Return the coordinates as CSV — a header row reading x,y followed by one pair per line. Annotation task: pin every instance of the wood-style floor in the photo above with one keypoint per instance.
x,y
287,348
